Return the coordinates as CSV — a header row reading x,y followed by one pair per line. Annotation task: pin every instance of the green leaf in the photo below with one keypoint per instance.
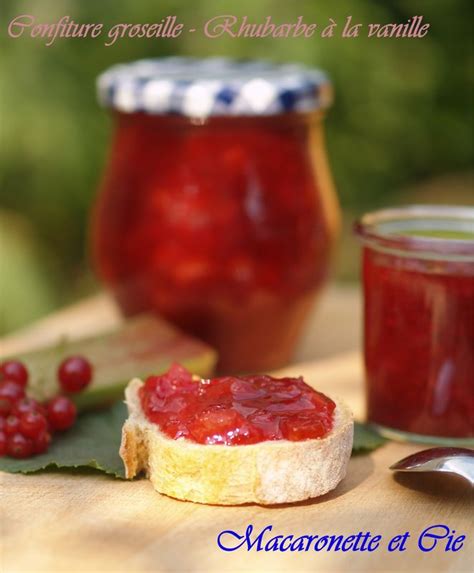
x,y
365,439
93,442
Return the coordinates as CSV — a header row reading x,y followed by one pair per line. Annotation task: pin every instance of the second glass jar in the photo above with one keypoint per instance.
x,y
418,275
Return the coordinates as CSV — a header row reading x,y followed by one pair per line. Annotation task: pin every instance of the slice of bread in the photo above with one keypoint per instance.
x,y
269,472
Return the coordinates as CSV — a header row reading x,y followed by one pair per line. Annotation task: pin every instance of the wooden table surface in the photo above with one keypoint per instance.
x,y
53,522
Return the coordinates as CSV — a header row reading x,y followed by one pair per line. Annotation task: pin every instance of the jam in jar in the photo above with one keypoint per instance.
x,y
418,275
235,411
217,209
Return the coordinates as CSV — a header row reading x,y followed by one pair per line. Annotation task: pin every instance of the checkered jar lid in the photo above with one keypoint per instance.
x,y
201,88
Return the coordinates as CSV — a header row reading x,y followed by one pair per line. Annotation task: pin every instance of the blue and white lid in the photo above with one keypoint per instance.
x,y
201,88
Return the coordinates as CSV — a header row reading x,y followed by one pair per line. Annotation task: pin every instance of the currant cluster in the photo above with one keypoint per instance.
x,y
26,425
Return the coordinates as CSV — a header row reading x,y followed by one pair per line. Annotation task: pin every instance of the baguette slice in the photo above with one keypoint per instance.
x,y
269,472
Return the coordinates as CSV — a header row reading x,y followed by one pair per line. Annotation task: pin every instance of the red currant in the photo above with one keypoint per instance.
x,y
11,390
3,443
41,443
32,424
28,405
14,370
19,447
2,423
61,413
12,425
6,405
74,373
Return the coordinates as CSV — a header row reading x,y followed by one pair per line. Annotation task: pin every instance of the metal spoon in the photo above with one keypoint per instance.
x,y
458,461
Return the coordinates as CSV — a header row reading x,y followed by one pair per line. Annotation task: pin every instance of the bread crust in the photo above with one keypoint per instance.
x,y
269,472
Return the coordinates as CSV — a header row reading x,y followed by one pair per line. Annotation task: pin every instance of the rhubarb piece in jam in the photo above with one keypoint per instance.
x,y
419,320
235,410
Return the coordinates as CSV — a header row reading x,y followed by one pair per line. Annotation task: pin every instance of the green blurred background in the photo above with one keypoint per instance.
x,y
401,129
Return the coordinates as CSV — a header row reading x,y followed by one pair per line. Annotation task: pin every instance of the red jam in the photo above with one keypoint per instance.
x,y
419,342
224,228
235,410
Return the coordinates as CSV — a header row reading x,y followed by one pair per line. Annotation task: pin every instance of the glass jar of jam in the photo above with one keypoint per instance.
x,y
418,276
217,209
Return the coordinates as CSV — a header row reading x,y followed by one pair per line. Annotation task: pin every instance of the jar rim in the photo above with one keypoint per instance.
x,y
388,230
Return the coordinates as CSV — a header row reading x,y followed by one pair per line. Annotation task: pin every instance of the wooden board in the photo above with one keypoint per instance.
x,y
57,522
53,522
334,327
